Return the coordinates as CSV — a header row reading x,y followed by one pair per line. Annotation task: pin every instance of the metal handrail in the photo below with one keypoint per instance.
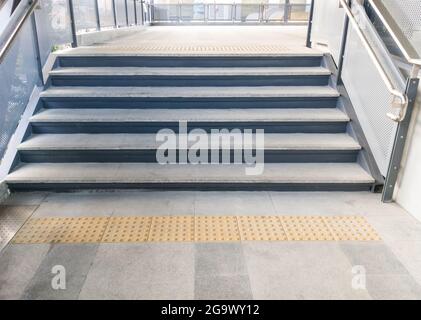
x,y
407,50
9,41
402,104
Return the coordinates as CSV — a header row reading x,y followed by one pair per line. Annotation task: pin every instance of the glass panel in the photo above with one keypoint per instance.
x,y
85,17
274,12
220,12
299,12
19,75
247,12
140,19
165,13
192,12
53,25
121,12
130,9
106,16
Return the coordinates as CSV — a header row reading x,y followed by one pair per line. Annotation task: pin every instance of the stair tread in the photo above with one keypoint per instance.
x,y
110,51
191,115
191,92
175,71
148,142
186,173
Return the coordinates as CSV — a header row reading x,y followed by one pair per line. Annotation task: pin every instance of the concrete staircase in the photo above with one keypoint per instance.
x,y
96,122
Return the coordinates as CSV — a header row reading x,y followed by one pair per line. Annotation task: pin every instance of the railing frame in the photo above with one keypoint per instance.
x,y
261,19
407,98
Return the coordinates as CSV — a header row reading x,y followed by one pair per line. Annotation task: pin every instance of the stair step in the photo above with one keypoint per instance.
x,y
131,76
143,147
194,97
95,59
276,176
134,71
152,120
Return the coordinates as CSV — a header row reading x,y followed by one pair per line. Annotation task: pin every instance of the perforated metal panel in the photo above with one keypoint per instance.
x,y
11,220
53,26
18,76
106,13
84,14
407,14
370,98
328,22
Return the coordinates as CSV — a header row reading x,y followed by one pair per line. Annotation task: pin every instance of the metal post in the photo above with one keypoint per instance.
x,y
72,24
233,13
343,46
310,24
126,9
98,22
205,12
135,12
114,14
37,51
401,135
142,12
286,11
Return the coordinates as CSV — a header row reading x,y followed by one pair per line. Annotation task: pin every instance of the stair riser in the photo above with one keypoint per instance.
x,y
202,186
270,156
186,103
186,62
190,81
147,127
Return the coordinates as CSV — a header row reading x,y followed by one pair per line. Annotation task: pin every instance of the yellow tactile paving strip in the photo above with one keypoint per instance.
x,y
197,49
195,229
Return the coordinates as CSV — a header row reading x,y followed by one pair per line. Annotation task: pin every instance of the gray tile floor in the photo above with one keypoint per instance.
x,y
246,270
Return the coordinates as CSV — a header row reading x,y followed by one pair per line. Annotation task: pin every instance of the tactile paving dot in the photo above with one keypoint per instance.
x,y
127,229
199,228
62,230
198,49
172,229
351,228
306,228
216,228
261,228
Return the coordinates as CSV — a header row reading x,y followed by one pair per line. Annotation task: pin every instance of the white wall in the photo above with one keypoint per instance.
x,y
408,192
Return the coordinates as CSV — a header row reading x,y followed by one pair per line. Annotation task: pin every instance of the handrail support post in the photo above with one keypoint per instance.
x,y
310,24
72,23
343,46
126,9
37,50
400,139
98,22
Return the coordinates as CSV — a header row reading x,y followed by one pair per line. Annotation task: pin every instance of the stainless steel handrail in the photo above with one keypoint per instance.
x,y
402,104
407,50
6,45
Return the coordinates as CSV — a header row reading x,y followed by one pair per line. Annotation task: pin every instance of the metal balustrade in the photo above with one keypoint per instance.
x,y
211,13
379,66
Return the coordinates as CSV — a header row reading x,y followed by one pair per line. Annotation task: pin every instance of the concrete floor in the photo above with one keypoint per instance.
x,y
206,40
246,270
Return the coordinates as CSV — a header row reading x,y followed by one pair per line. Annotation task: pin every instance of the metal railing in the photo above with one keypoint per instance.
x,y
212,13
34,30
370,71
408,51
6,44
